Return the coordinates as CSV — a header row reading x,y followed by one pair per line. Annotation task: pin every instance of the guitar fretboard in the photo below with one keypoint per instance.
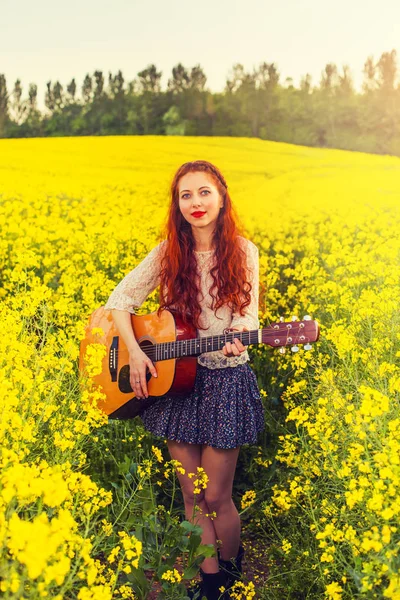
x,y
196,346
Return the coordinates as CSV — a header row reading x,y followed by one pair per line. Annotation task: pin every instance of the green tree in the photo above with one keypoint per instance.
x,y
180,80
87,89
149,80
33,120
99,85
49,98
146,113
18,106
71,92
370,82
173,122
387,71
58,95
4,99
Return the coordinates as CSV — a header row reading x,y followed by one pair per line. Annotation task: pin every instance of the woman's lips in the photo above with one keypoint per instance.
x,y
198,214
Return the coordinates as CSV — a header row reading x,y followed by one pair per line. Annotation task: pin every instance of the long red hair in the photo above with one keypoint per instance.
x,y
178,263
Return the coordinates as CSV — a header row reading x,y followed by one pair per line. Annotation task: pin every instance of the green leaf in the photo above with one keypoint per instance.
x,y
205,550
188,526
190,572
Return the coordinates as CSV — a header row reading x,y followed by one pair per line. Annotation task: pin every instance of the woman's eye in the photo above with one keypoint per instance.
x,y
208,191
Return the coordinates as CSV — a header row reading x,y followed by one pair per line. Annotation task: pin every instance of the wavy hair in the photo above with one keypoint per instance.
x,y
179,289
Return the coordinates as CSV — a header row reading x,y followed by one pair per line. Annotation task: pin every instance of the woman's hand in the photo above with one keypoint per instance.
x,y
236,347
138,363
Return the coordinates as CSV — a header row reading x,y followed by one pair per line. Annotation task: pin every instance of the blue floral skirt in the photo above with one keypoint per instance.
x,y
224,410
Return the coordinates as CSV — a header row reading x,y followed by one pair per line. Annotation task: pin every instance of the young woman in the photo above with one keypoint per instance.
x,y
208,272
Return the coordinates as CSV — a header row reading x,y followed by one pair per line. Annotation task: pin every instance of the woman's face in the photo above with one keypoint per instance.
x,y
199,194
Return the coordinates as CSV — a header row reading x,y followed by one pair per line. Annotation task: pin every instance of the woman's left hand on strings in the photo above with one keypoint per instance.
x,y
236,347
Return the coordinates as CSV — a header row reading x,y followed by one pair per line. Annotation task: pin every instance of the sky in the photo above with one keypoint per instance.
x,y
49,40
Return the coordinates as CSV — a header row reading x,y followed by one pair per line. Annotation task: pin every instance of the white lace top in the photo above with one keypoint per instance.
x,y
133,290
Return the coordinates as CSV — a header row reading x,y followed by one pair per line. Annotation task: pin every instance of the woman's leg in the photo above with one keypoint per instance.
x,y
220,466
190,457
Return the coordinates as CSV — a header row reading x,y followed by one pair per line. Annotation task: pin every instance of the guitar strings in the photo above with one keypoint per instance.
x,y
265,330
154,350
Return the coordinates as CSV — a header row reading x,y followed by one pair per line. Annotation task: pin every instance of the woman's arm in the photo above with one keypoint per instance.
x,y
132,291
122,320
138,360
129,294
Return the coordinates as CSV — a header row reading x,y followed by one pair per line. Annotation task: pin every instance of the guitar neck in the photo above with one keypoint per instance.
x,y
275,335
196,346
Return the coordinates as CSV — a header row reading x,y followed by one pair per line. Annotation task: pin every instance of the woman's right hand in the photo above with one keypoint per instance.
x,y
138,363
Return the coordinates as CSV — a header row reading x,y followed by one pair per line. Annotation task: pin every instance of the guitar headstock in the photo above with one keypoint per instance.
x,y
290,333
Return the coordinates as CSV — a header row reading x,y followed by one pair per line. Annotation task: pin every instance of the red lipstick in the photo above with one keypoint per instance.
x,y
198,214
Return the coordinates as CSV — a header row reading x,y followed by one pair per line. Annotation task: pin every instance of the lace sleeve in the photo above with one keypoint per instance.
x,y
132,291
250,319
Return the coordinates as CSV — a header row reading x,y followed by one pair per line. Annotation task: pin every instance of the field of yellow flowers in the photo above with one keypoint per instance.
x,y
91,510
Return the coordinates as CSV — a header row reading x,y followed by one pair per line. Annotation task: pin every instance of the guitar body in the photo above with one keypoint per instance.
x,y
176,376
173,347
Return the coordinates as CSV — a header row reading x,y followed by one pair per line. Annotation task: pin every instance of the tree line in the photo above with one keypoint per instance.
x,y
331,114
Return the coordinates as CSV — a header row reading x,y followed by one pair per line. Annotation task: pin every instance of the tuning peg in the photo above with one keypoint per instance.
x,y
307,346
294,348
306,318
294,318
282,350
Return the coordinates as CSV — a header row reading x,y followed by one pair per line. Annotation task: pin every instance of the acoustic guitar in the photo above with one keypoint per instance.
x,y
173,347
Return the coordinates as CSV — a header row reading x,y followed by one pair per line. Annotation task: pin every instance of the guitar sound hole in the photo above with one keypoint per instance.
x,y
123,380
123,376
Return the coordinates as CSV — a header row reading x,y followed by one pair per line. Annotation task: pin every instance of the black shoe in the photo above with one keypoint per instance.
x,y
209,586
232,568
